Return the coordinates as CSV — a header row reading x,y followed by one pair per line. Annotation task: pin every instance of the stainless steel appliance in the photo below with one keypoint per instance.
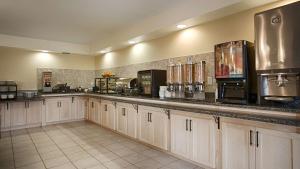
x,y
150,80
235,72
277,36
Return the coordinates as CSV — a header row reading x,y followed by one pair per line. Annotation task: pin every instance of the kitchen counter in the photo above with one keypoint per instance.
x,y
278,115
23,99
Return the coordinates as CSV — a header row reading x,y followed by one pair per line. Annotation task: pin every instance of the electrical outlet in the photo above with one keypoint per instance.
x,y
209,80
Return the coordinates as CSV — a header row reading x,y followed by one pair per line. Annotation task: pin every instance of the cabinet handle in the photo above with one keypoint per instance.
x,y
25,105
72,99
186,125
190,125
92,104
257,139
105,107
151,117
57,104
7,106
148,116
251,141
123,111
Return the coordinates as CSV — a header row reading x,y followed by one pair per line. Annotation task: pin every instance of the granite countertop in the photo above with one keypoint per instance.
x,y
270,114
23,99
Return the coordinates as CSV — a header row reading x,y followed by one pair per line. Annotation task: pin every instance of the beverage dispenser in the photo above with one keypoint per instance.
x,y
277,54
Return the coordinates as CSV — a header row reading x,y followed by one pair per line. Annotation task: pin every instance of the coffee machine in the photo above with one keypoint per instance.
x,y
277,48
235,72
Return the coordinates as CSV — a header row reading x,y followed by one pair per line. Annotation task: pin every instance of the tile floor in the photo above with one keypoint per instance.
x,y
79,145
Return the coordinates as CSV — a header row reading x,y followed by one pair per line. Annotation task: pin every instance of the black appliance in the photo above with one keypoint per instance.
x,y
150,80
235,72
61,88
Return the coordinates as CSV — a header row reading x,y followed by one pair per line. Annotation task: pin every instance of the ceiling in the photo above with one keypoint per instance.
x,y
98,24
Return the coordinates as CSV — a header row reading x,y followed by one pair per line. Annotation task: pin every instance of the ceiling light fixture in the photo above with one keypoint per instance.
x,y
44,51
132,42
181,26
103,51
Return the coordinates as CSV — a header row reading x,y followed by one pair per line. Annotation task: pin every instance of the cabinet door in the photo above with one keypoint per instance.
x,y
52,110
238,152
65,109
18,114
104,114
34,113
144,126
122,119
97,111
203,138
5,116
296,151
159,121
111,113
274,150
131,121
180,136
81,108
74,111
91,113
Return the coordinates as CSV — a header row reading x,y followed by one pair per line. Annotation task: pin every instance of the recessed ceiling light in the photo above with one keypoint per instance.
x,y
103,51
132,42
181,26
44,51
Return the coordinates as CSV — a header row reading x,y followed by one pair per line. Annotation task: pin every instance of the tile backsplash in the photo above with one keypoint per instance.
x,y
73,77
131,70
85,78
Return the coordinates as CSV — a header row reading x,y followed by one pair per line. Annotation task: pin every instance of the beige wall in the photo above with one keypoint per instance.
x,y
195,40
21,65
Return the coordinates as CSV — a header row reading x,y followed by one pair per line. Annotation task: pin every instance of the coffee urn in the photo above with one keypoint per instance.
x,y
277,36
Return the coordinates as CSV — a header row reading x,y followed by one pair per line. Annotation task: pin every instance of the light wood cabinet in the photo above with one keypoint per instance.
x,y
153,126
180,136
127,119
18,114
58,109
82,108
52,110
238,151
34,113
5,116
65,109
94,111
194,138
273,150
108,114
247,147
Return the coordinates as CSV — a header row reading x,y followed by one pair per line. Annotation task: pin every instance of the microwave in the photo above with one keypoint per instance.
x,y
149,82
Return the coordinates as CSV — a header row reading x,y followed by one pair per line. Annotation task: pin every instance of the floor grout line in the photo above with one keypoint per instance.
x,y
36,148
60,149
